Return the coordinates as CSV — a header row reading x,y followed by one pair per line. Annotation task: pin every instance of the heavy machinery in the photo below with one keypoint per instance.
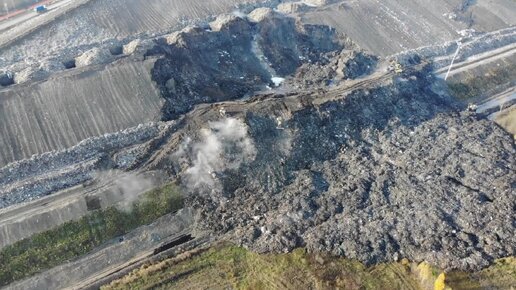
x,y
40,9
395,67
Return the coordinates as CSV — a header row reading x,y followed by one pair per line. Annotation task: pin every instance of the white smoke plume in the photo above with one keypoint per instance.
x,y
223,145
130,188
127,187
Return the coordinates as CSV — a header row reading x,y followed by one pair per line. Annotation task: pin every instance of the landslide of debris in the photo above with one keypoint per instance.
x,y
380,174
344,65
235,57
374,174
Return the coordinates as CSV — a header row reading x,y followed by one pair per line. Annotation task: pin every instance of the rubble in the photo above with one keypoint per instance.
x,y
93,56
353,64
380,174
376,174
138,46
206,66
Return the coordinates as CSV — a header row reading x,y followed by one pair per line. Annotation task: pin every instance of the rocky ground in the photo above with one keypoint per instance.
x,y
287,134
379,175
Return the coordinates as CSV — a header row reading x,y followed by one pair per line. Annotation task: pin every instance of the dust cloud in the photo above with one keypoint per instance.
x,y
223,145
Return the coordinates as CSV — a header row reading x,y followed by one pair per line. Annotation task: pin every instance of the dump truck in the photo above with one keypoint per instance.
x,y
40,9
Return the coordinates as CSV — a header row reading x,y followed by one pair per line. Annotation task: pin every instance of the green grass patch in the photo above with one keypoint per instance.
x,y
229,267
76,238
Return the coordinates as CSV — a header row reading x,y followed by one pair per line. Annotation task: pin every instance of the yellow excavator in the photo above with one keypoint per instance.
x,y
395,67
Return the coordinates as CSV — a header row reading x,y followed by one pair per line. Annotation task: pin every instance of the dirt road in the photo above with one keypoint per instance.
x,y
21,25
479,59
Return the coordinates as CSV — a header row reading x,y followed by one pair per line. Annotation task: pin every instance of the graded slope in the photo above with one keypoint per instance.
x,y
61,112
388,27
110,21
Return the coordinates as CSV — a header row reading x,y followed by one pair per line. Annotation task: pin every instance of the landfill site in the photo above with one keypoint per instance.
x,y
173,144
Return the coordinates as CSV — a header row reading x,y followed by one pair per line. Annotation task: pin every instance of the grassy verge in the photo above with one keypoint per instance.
x,y
74,239
474,86
230,267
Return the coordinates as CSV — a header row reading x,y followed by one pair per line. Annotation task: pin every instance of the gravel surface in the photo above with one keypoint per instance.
x,y
378,175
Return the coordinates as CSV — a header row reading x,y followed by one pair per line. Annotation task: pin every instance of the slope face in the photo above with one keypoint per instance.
x,y
363,162
61,112
388,27
377,175
235,58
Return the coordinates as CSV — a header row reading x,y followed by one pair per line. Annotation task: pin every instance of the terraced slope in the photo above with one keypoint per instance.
x,y
100,21
59,113
490,15
387,27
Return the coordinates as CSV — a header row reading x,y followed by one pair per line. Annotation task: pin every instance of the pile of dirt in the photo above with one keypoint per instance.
x,y
338,66
138,46
30,74
353,64
94,56
200,65
378,175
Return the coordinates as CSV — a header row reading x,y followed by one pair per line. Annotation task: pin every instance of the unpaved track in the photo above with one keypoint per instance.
x,y
478,60
29,14
15,29
113,257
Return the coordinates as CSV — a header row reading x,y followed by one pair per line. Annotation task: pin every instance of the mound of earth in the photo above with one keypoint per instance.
x,y
30,74
94,56
353,64
234,57
138,46
381,174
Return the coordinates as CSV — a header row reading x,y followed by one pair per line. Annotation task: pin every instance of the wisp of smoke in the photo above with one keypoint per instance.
x,y
223,145
239,13
131,187
127,188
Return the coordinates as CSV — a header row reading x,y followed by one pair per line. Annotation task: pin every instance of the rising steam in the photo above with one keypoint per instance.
x,y
223,145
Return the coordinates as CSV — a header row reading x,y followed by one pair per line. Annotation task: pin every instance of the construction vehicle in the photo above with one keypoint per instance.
x,y
395,67
40,9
